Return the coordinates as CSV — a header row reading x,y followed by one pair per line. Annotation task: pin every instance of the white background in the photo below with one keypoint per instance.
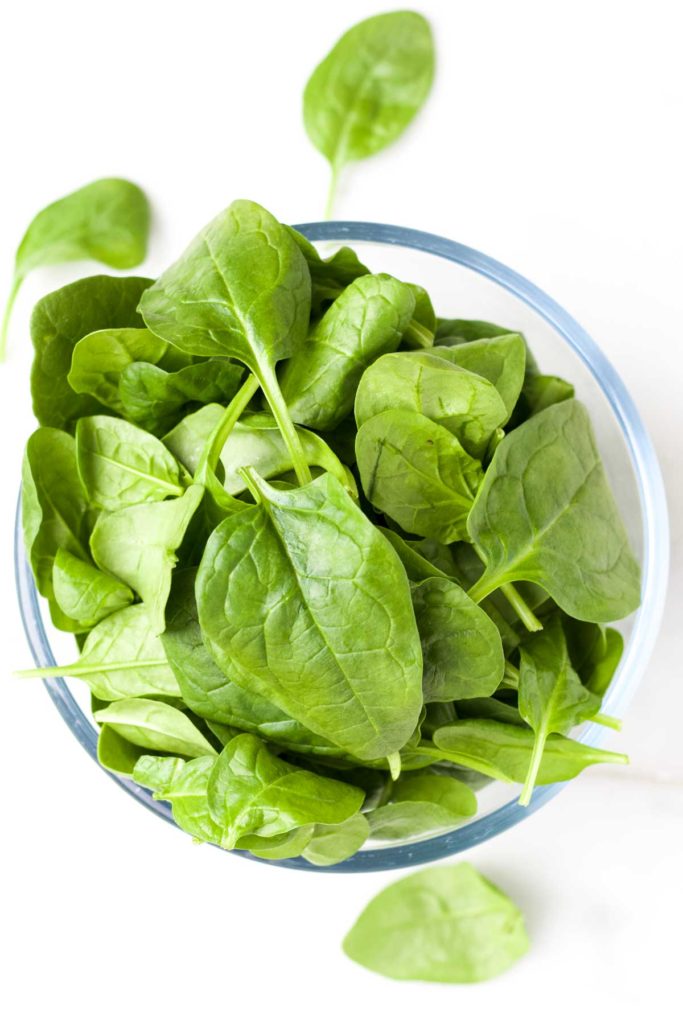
x,y
551,142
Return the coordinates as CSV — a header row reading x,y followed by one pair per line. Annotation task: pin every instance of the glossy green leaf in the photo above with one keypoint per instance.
x,y
461,648
329,276
446,924
99,359
594,651
281,847
466,404
501,361
184,784
545,513
58,322
420,331
422,803
418,473
155,398
253,791
332,844
154,725
188,439
455,332
84,593
328,632
115,753
368,319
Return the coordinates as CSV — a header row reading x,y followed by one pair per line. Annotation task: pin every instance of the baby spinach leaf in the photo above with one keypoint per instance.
x,y
417,567
541,391
545,513
209,693
184,784
503,751
552,698
153,725
154,398
422,803
282,847
55,510
253,791
99,359
594,651
461,648
188,439
331,844
122,465
107,220
368,89
138,544
418,473
368,319
122,657
329,277
84,593
445,924
488,707
466,404
419,333
115,753
500,360
328,633
58,322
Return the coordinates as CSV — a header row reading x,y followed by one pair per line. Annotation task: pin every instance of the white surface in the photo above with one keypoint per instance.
x,y
551,142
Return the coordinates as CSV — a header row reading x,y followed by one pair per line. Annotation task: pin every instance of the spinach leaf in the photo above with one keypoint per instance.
x,y
121,657
253,791
552,698
107,220
153,725
455,332
541,391
122,465
55,510
99,359
85,594
154,398
419,333
594,651
328,633
503,751
466,404
331,844
368,89
241,289
281,847
461,648
184,784
417,567
115,753
488,707
58,322
368,319
138,545
209,693
545,513
418,473
188,439
446,924
329,277
421,803
501,361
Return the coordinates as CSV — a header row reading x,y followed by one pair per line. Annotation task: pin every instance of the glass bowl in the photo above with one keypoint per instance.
x,y
464,283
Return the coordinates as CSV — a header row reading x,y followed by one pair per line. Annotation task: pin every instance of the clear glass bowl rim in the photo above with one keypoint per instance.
x,y
654,564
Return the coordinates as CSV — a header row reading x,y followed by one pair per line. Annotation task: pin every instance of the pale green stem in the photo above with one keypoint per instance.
x,y
234,410
607,720
532,774
16,285
482,588
331,193
419,335
394,761
278,407
50,671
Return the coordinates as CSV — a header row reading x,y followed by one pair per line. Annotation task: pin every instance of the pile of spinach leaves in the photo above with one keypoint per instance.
x,y
332,561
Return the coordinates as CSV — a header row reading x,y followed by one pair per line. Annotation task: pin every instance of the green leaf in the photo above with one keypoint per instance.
x,y
253,791
282,847
58,322
368,89
541,391
188,439
461,648
466,404
331,844
99,359
138,545
501,361
330,276
153,725
85,594
446,924
455,332
545,513
154,398
122,465
551,695
594,651
418,473
209,693
421,803
328,632
368,319
184,784
115,753
107,221
420,331
122,657
503,751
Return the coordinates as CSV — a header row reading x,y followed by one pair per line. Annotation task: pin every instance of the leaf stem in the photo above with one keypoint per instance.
x,y
216,443
16,285
418,334
532,773
607,720
278,407
482,588
331,193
